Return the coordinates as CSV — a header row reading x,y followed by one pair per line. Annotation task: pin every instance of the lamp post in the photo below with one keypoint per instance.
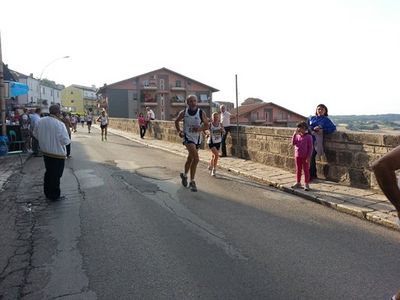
x,y
41,76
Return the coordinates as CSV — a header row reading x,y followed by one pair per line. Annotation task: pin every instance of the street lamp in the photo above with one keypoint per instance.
x,y
41,75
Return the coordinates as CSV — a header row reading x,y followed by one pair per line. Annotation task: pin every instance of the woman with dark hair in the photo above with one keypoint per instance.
x,y
318,126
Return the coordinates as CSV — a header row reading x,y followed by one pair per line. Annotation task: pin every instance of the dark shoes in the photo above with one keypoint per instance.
x,y
184,180
192,186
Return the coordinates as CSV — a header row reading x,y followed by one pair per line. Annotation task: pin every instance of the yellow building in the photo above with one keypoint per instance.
x,y
80,99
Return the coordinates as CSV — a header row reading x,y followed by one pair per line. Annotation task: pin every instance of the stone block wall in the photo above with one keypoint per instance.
x,y
348,154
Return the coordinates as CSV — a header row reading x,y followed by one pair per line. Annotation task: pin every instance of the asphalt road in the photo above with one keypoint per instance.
x,y
128,229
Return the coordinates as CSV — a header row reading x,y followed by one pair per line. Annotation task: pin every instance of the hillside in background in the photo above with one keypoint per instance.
x,y
388,123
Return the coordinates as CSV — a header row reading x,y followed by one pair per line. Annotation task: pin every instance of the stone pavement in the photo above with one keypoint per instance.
x,y
362,203
9,165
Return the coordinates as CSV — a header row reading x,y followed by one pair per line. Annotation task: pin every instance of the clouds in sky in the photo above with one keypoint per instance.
x,y
297,54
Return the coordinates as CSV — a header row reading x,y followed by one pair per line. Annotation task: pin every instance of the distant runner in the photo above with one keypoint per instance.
x,y
103,119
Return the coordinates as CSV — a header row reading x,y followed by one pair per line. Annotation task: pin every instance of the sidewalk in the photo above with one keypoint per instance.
x,y
362,203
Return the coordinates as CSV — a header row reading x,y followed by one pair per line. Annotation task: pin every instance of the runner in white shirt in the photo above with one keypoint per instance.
x,y
89,119
214,135
194,123
103,119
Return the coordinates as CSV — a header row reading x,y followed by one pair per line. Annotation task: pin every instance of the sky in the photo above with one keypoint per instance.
x,y
297,54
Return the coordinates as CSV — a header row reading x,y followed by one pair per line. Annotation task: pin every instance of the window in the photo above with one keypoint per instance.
x,y
72,101
43,91
72,92
145,83
162,84
203,97
178,83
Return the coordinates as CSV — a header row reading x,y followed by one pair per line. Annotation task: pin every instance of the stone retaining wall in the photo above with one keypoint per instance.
x,y
348,154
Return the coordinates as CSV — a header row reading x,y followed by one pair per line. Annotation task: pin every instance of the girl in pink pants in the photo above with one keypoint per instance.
x,y
303,147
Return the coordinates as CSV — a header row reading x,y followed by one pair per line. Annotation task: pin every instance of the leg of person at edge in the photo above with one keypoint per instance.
x,y
385,172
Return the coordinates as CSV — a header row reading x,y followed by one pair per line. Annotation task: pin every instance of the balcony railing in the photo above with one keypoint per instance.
x,y
177,88
149,87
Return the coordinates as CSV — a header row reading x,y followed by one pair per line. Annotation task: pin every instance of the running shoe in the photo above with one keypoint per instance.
x,y
192,186
306,187
213,172
184,180
296,185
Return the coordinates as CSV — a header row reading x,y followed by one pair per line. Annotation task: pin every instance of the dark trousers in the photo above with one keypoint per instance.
x,y
68,147
313,165
223,143
142,131
35,145
54,171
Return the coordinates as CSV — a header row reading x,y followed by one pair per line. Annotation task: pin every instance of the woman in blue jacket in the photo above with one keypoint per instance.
x,y
319,125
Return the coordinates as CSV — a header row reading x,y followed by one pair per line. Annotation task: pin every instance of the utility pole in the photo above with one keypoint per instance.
x,y
2,96
237,119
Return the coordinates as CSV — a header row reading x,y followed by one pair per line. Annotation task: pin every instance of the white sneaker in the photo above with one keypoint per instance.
x,y
296,185
306,187
213,172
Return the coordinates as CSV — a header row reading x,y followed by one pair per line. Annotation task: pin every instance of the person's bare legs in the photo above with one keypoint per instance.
x,y
192,160
215,156
384,169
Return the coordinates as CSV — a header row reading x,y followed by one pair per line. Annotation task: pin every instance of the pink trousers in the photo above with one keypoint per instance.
x,y
301,164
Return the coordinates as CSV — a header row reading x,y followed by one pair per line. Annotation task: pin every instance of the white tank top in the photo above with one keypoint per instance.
x,y
191,122
104,120
215,134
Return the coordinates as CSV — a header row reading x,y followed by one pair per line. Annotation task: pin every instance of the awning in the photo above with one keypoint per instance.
x,y
17,89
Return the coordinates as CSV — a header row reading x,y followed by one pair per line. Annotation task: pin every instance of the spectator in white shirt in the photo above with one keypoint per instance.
x,y
53,137
226,122
150,116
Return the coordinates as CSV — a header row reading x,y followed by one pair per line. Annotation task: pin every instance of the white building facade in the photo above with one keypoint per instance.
x,y
39,95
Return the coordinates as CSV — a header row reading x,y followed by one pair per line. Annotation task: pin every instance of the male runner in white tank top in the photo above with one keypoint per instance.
x,y
194,123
